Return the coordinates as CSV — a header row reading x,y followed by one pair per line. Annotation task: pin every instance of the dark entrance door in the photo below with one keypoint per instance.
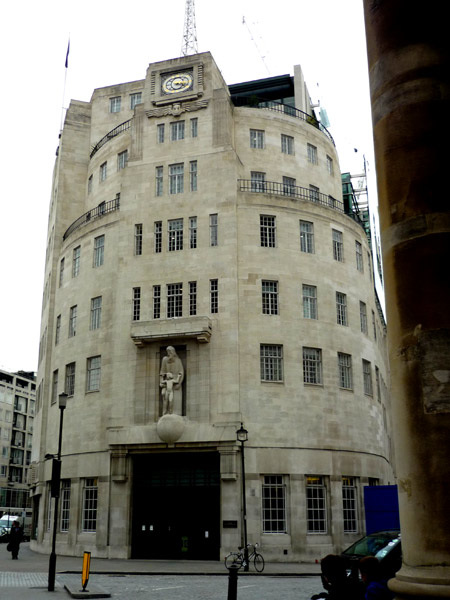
x,y
176,506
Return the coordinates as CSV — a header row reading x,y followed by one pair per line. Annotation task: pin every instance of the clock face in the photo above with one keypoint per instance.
x,y
177,82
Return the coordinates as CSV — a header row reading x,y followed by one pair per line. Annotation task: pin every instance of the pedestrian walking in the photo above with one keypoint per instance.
x,y
15,537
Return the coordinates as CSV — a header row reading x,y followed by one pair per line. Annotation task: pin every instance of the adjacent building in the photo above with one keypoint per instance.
x,y
203,271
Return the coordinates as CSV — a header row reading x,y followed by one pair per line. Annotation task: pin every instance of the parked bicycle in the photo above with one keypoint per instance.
x,y
238,559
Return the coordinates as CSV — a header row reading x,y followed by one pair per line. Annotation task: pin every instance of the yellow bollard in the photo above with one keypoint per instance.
x,y
85,571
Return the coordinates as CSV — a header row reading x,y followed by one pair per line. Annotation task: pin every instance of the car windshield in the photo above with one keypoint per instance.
x,y
377,544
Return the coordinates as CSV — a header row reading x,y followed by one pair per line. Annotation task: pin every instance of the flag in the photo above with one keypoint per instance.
x,y
67,54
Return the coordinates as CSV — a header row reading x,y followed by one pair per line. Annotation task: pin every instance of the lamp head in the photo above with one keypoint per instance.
x,y
62,400
242,434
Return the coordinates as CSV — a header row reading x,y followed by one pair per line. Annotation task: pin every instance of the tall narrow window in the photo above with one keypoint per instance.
x,y
90,500
194,127
367,377
192,298
99,251
65,505
93,374
309,301
359,256
330,167
76,256
61,272
55,379
214,295
174,300
158,236
70,379
192,232
341,308
122,160
256,138
193,176
176,178
175,234
267,231
345,371
160,133
136,304
274,504
312,365
96,313
258,181
338,245
114,104
135,99
90,184
213,230
57,329
271,362
349,505
138,239
156,301
314,193
312,154
159,181
378,383
316,505
287,144
73,321
374,326
269,297
307,237
289,184
177,131
363,316
103,173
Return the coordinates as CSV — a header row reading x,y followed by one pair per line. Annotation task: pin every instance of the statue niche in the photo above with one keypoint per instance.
x,y
171,377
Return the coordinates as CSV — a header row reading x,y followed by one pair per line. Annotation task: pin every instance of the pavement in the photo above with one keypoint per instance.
x,y
27,577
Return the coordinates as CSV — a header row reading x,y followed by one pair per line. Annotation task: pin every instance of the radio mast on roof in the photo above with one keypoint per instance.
x,y
190,31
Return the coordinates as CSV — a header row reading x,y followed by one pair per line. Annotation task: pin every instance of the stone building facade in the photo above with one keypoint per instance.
x,y
198,229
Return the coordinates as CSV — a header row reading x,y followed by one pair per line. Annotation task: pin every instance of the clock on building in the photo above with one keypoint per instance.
x,y
177,82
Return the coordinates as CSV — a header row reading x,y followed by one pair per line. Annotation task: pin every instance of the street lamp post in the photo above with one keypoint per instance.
x,y
55,490
242,436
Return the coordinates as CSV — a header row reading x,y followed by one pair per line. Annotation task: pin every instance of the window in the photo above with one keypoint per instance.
x,y
312,365
256,138
76,261
70,379
156,301
214,295
345,371
135,99
99,250
57,329
258,181
269,297
138,239
378,383
90,183
367,377
307,237
267,231
176,178
65,505
61,272
374,326
96,313
114,104
193,176
309,301
274,504
93,374
175,234
363,316
359,256
314,193
213,230
177,131
341,308
55,379
158,236
312,154
192,232
192,298
103,171
316,505
122,160
160,133
338,245
174,300
73,321
349,505
271,359
330,167
90,499
287,144
289,186
159,181
136,303
194,127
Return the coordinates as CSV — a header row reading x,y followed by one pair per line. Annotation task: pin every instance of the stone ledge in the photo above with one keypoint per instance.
x,y
147,332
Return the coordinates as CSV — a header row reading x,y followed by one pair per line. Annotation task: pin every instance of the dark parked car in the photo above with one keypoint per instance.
x,y
385,545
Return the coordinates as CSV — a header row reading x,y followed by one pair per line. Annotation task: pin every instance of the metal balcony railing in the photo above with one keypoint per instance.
x,y
102,209
110,135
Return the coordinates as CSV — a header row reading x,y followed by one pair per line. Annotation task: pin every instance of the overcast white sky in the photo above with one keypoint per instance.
x,y
113,41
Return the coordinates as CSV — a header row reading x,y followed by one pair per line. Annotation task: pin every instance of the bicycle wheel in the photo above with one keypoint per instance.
x,y
259,563
234,559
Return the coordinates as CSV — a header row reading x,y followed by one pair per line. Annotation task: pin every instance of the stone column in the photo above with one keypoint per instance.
x,y
408,54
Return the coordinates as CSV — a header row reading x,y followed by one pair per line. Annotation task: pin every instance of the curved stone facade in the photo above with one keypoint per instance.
x,y
220,232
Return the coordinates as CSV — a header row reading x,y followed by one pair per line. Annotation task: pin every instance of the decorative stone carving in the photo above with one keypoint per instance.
x,y
170,428
177,108
171,376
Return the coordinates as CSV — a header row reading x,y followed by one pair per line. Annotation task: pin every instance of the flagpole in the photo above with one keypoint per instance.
x,y
66,67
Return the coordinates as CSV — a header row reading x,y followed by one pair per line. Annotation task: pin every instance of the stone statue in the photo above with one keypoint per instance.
x,y
171,376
